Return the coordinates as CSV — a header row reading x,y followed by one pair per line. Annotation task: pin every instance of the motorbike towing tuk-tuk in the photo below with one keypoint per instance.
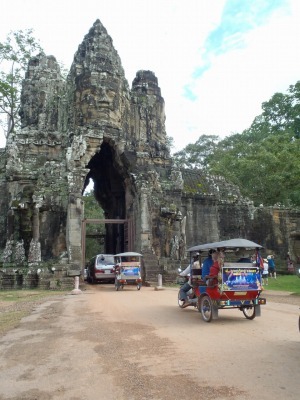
x,y
128,270
237,285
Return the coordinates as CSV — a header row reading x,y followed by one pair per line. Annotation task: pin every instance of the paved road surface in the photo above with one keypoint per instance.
x,y
139,345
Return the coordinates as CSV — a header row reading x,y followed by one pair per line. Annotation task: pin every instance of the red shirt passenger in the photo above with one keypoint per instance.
x,y
215,268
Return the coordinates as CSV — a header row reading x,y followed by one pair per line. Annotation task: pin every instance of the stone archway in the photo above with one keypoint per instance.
x,y
109,191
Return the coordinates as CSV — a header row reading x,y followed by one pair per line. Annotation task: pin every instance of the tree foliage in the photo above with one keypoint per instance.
x,y
92,210
197,155
267,171
15,53
263,161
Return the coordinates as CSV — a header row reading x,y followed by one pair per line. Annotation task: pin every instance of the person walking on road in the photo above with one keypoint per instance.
x,y
272,269
265,273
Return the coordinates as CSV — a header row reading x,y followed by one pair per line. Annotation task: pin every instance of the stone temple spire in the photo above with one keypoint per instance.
x,y
97,84
97,52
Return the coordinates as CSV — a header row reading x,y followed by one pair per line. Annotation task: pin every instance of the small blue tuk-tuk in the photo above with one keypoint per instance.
x,y
128,270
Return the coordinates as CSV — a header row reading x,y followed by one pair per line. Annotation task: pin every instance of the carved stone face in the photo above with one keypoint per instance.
x,y
97,98
104,87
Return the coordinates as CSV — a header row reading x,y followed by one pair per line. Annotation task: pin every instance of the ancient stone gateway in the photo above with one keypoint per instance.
x,y
92,126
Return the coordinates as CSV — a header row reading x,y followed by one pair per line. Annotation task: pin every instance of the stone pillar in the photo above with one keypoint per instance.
x,y
35,256
36,224
10,224
74,230
145,226
76,290
9,246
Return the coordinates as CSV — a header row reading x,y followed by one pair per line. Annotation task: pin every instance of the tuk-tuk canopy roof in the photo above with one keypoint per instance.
x,y
227,244
128,254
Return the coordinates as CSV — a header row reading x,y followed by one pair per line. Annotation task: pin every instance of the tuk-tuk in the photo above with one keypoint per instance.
x,y
237,285
128,270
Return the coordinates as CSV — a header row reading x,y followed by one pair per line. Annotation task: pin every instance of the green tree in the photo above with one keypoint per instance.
x,y
264,160
169,143
94,232
15,53
197,155
281,114
266,172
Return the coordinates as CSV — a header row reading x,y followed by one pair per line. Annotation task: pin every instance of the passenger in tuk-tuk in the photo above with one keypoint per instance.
x,y
215,268
207,263
218,259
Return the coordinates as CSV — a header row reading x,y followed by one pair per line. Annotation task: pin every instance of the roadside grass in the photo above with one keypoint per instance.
x,y
285,283
10,320
17,296
16,304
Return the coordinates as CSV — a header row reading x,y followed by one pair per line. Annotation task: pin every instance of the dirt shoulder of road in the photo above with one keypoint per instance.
x,y
281,297
11,312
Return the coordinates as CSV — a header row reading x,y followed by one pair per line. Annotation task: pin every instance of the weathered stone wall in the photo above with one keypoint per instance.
x,y
92,126
4,201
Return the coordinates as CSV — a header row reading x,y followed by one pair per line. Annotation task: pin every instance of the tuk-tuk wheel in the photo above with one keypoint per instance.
x,y
249,312
206,308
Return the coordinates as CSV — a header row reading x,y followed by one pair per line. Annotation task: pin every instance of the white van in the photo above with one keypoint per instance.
x,y
101,268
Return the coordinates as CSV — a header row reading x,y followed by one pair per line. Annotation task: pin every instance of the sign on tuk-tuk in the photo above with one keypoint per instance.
x,y
240,278
128,270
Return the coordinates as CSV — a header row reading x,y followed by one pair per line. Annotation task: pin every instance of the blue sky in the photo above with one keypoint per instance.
x,y
216,60
237,20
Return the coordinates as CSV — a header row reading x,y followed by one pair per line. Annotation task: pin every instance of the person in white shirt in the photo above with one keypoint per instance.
x,y
265,273
187,272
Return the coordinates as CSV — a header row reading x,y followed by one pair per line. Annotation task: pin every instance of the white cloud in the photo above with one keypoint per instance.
x,y
230,93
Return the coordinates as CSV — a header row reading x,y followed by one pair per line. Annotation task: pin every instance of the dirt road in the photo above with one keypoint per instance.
x,y
139,345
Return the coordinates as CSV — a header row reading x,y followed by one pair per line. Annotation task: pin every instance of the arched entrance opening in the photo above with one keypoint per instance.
x,y
109,192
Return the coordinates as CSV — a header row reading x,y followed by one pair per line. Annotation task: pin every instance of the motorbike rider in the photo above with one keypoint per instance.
x,y
187,273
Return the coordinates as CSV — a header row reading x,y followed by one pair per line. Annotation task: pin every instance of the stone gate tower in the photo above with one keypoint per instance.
x,y
92,126
89,126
